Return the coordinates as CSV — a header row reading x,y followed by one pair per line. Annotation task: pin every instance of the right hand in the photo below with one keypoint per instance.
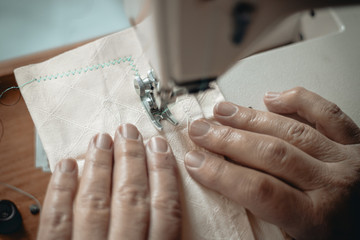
x,y
305,180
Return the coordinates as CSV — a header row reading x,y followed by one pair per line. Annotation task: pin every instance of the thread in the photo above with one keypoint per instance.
x,y
22,192
69,73
78,71
11,104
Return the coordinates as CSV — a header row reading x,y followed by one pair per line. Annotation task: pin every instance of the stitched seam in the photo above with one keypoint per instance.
x,y
79,71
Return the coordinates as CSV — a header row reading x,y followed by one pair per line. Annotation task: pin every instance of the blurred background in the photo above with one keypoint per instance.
x,y
27,27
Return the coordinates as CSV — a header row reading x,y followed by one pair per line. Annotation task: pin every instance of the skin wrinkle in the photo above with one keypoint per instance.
x,y
230,190
169,206
225,135
253,119
280,160
163,162
333,172
134,155
216,170
328,210
260,190
129,149
298,131
276,152
344,175
132,195
328,114
59,184
96,201
165,204
353,132
268,199
279,125
96,158
331,112
130,189
267,161
58,219
92,205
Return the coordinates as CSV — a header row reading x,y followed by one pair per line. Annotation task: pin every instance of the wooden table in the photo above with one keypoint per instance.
x,y
17,144
17,159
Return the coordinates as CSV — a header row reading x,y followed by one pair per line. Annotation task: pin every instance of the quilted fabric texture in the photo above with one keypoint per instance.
x,y
88,90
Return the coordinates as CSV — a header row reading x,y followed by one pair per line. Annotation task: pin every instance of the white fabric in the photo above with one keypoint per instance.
x,y
77,98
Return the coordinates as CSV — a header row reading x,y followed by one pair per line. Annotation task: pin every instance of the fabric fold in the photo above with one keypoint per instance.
x,y
90,89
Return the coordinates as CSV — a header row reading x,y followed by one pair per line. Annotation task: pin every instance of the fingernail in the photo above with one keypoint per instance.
x,y
103,141
194,159
272,95
226,109
199,128
158,144
67,165
129,131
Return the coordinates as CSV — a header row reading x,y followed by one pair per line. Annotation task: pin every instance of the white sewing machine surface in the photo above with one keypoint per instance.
x,y
319,50
327,64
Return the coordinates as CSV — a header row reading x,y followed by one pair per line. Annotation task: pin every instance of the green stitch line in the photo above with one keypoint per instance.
x,y
79,71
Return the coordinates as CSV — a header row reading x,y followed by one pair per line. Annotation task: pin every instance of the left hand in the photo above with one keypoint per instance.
x,y
127,191
302,179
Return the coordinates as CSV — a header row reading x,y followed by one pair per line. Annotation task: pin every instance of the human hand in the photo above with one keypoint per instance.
x,y
127,191
302,179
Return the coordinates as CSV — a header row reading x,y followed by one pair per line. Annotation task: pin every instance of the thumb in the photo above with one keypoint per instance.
x,y
326,116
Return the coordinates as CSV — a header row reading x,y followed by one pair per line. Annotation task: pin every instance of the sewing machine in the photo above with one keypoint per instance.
x,y
190,43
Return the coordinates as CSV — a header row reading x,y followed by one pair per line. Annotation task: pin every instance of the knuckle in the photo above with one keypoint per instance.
x,y
216,170
299,134
167,205
259,190
57,219
332,111
353,131
297,92
162,162
132,196
61,188
254,118
346,173
94,201
274,154
224,136
99,162
133,154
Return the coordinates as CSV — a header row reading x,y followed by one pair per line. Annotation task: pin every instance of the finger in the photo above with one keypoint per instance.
x,y
130,193
265,196
260,152
298,134
92,208
56,217
327,117
165,200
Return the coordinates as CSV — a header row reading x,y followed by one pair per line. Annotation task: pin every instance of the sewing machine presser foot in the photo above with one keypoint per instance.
x,y
145,89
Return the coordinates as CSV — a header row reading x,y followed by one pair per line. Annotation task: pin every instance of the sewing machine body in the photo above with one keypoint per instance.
x,y
191,43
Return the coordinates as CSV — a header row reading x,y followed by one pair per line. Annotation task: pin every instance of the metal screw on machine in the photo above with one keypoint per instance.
x,y
145,89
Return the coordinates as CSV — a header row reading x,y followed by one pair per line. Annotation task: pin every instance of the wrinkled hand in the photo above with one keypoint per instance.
x,y
127,191
302,179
